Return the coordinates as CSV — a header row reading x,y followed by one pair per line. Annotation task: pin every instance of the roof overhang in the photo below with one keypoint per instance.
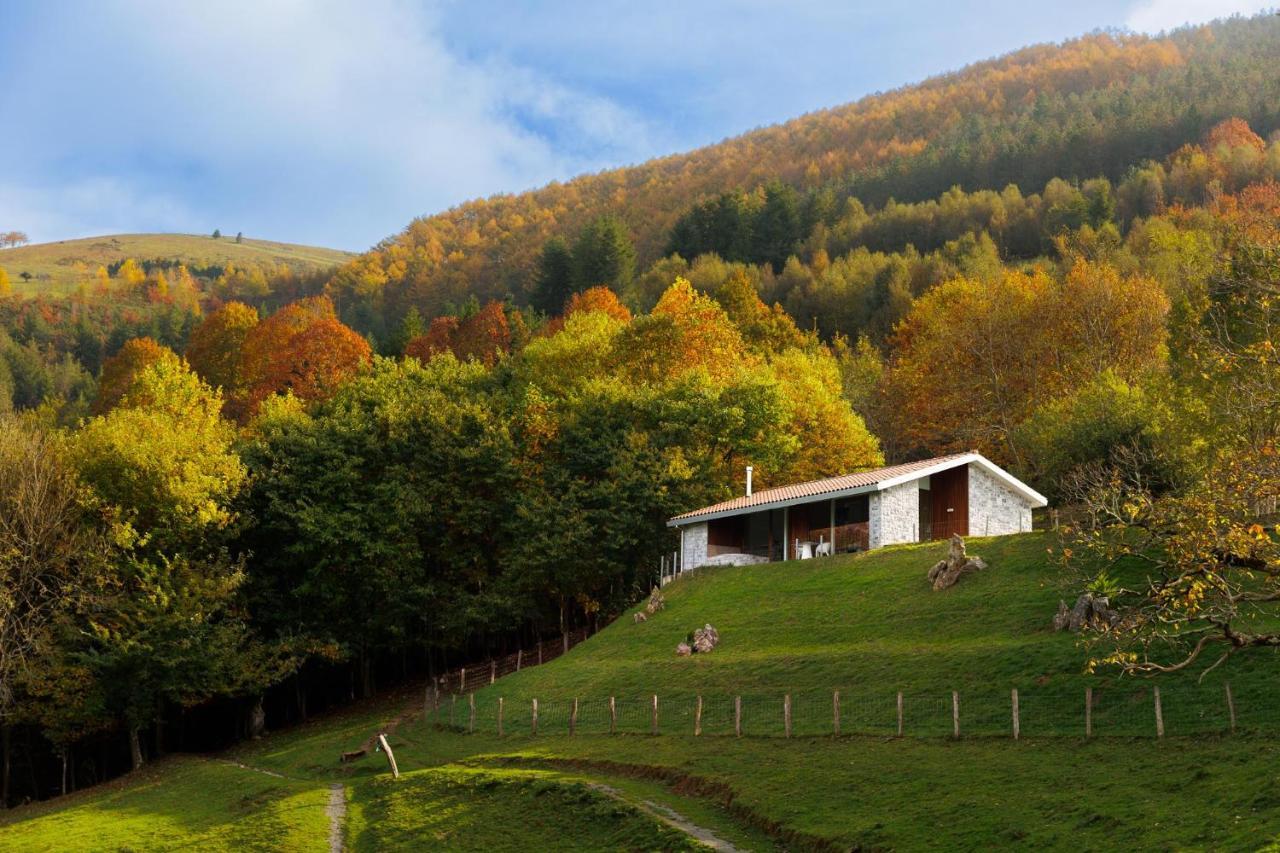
x,y
1026,492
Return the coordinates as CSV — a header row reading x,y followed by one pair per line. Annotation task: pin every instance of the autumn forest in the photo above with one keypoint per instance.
x,y
244,491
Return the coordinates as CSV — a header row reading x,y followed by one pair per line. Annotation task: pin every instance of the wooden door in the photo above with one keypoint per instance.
x,y
949,496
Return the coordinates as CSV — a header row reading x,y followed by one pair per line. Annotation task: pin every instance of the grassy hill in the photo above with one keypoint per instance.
x,y
868,625
60,266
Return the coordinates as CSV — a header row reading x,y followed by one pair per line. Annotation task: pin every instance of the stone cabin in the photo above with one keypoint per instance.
x,y
964,493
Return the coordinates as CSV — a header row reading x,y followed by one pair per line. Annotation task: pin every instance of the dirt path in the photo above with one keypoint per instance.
x,y
337,812
671,818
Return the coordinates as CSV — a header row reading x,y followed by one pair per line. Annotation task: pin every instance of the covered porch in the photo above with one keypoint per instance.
x,y
822,527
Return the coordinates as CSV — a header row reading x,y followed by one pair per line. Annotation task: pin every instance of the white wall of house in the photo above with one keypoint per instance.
x,y
894,515
693,546
994,508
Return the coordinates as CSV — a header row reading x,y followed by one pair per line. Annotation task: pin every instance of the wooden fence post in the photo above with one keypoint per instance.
x,y
519,658
697,718
737,716
499,716
493,671
1231,708
462,681
786,714
835,713
1159,715
471,717
653,721
1017,723
613,716
535,716
391,758
955,712
899,713
573,717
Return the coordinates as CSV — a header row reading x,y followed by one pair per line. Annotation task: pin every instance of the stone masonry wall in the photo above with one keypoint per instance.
x,y
894,515
693,541
994,508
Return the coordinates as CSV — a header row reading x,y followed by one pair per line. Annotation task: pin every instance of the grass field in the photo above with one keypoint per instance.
x,y
868,625
59,267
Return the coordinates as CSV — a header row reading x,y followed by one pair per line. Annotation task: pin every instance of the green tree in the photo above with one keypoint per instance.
x,y
554,282
603,255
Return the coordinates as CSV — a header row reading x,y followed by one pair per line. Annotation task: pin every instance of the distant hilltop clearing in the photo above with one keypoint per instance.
x,y
58,267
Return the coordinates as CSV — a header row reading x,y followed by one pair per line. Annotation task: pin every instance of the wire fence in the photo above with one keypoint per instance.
x,y
482,673
1134,710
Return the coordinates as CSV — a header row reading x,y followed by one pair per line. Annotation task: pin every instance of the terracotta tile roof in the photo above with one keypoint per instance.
x,y
862,479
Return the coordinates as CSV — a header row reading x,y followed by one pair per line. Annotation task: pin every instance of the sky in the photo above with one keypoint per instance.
x,y
336,123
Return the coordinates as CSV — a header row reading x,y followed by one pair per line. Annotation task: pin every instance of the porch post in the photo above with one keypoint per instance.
x,y
786,530
833,527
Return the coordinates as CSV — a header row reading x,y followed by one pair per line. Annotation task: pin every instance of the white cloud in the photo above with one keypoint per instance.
x,y
341,120
1153,16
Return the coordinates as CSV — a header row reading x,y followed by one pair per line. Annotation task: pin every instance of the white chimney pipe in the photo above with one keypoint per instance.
x,y
748,481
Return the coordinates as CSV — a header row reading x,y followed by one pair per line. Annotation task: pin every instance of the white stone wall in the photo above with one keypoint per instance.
x,y
994,508
894,515
693,542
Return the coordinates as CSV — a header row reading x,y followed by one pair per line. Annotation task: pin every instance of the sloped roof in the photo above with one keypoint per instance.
x,y
847,484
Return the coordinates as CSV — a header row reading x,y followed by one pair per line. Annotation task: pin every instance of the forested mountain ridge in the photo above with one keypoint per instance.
x,y
1095,106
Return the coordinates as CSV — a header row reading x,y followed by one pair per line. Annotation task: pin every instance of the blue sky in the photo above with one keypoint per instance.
x,y
335,123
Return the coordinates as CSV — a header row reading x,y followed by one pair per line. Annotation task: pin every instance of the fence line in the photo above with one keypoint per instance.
x,y
1125,711
470,678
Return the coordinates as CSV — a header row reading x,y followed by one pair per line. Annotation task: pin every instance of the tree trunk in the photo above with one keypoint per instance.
x,y
159,745
6,743
135,747
564,635
63,752
300,694
366,676
257,720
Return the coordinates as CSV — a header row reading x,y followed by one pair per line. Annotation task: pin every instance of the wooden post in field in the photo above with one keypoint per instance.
x,y
1088,712
493,671
737,716
499,716
1231,708
1017,723
391,758
697,718
471,716
573,717
519,658
535,716
1159,715
653,720
613,716
955,712
462,681
835,713
786,714
899,713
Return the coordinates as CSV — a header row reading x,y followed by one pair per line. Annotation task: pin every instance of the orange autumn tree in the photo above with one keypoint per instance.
x,y
214,351
974,358
302,348
686,331
601,299
121,370
485,336
438,339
